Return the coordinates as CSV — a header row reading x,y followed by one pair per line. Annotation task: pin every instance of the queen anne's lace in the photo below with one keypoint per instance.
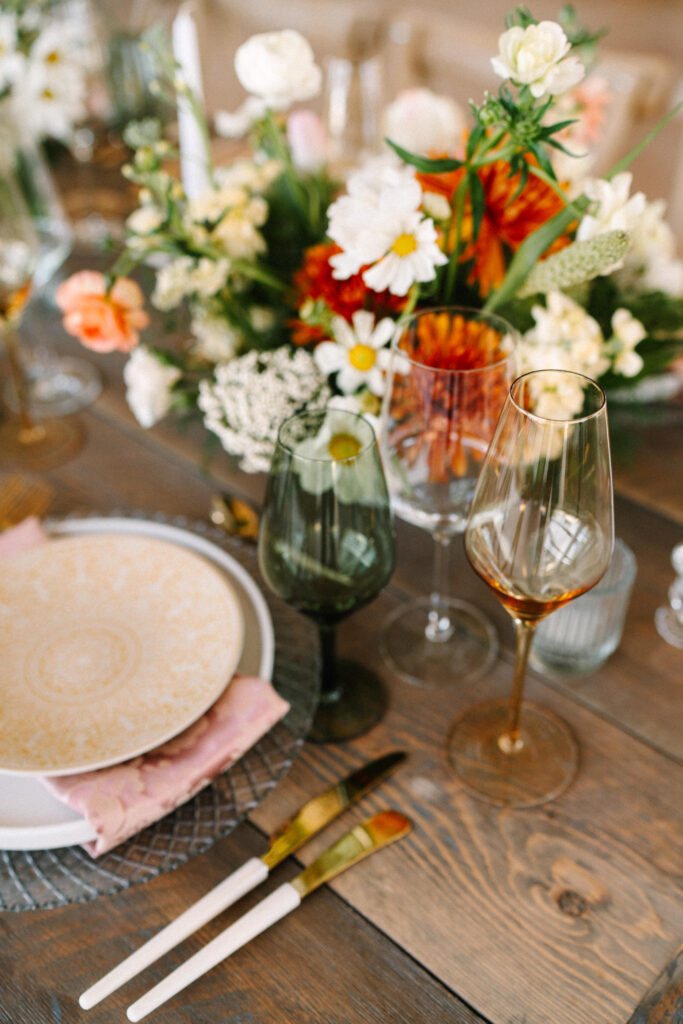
x,y
252,394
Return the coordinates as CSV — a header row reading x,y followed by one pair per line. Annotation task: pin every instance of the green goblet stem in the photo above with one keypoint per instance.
x,y
330,691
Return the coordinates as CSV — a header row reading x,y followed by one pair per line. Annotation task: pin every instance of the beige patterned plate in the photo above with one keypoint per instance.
x,y
109,645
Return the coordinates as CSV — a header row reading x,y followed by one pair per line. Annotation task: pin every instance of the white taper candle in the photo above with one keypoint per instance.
x,y
193,156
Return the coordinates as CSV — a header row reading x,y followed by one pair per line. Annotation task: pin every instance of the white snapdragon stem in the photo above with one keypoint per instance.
x,y
194,166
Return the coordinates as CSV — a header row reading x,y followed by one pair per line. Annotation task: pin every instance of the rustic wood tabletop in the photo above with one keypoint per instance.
x,y
569,913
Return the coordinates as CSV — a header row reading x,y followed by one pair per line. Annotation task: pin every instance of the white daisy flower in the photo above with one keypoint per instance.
x,y
11,61
358,355
49,105
363,403
379,223
335,458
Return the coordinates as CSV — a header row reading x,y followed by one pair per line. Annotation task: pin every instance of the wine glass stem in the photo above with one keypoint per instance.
x,y
439,627
28,426
510,741
330,689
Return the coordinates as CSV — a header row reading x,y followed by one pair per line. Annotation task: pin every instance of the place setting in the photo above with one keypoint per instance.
x,y
138,655
337,541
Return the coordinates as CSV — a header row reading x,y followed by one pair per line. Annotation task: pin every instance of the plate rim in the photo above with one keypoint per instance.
x,y
79,831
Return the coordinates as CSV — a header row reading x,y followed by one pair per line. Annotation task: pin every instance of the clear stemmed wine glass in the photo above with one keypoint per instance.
x,y
450,373
326,546
56,384
25,441
540,533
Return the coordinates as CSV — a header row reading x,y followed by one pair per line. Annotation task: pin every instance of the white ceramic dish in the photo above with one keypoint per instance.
x,y
30,818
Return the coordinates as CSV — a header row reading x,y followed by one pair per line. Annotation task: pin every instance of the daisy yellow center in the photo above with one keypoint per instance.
x,y
52,58
362,357
404,245
343,446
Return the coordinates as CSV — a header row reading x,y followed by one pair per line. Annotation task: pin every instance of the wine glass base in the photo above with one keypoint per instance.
x,y
50,443
58,386
361,704
468,652
669,626
542,768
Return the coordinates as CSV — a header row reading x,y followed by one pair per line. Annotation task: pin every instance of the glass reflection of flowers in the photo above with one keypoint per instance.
x,y
540,533
326,547
450,375
26,441
273,255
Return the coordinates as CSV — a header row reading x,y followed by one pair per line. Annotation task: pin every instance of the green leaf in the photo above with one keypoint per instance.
x,y
542,157
478,201
423,163
626,161
476,136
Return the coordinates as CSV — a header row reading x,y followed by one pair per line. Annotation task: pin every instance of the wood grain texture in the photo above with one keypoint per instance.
x,y
562,913
322,963
664,1002
566,914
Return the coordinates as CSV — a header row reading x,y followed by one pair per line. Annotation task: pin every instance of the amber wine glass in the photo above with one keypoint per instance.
x,y
326,546
540,533
26,441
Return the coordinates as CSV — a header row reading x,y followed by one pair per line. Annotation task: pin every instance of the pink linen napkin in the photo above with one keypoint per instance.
x,y
121,800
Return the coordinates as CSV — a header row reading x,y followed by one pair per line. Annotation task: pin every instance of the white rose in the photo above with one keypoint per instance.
x,y
422,122
536,56
278,67
148,386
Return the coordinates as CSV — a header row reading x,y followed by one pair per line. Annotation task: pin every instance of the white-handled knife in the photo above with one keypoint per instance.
x,y
313,816
380,830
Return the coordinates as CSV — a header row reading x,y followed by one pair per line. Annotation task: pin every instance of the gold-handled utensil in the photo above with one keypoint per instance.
x,y
379,831
310,819
21,496
234,515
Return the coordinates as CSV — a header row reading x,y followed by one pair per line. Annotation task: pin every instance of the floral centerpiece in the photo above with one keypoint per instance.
x,y
44,65
293,283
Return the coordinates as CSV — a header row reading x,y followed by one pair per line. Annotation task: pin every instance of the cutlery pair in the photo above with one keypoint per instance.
x,y
380,830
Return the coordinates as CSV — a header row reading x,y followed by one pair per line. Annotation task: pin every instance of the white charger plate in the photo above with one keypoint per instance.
x,y
30,818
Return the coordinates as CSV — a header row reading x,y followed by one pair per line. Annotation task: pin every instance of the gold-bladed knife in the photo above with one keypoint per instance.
x,y
380,830
310,819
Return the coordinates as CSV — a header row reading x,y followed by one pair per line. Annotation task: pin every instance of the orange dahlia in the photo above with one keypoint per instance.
x,y
314,281
508,218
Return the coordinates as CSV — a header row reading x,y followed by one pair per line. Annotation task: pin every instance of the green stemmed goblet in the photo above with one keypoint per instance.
x,y
326,547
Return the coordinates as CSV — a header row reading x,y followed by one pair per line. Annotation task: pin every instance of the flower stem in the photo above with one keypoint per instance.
x,y
455,224
284,156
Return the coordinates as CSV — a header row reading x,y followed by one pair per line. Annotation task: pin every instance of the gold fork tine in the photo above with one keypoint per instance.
x,y
21,497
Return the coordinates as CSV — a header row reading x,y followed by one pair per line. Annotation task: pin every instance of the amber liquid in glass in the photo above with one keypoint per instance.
x,y
13,300
528,608
562,549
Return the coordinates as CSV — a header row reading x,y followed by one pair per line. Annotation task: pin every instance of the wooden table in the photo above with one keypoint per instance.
x,y
565,914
